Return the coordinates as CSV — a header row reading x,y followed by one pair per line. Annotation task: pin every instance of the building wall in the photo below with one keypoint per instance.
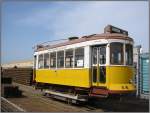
x,y
136,56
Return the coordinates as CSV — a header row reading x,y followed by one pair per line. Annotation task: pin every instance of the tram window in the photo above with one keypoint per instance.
x,y
102,55
116,53
53,60
129,54
79,57
46,60
69,58
94,55
35,58
60,59
40,62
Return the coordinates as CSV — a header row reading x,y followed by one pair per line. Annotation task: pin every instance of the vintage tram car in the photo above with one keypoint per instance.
x,y
97,65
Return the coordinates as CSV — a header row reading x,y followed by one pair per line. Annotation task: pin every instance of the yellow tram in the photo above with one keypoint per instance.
x,y
97,65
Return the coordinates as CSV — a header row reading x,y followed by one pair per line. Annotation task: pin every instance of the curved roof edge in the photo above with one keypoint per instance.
x,y
87,38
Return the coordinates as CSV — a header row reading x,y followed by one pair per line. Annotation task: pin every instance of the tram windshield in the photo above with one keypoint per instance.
x,y
116,53
129,54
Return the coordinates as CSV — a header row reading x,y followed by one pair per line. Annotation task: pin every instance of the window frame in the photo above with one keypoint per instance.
x,y
35,62
111,51
71,61
48,60
42,67
100,50
51,57
59,66
79,55
130,48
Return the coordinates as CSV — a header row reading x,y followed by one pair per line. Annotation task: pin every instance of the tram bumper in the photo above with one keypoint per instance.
x,y
120,89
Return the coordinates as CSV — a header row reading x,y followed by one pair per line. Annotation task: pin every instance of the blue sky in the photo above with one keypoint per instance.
x,y
25,24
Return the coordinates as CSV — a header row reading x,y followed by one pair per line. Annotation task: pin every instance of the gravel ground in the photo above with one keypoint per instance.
x,y
33,100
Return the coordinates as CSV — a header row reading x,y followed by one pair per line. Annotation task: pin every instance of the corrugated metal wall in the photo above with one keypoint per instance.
x,y
141,80
144,74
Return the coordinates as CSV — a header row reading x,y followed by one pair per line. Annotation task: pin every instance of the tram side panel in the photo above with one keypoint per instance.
x,y
69,77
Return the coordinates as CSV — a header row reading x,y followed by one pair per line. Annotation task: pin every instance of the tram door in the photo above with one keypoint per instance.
x,y
98,65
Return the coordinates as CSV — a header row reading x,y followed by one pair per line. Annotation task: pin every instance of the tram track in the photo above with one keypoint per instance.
x,y
54,104
34,98
7,106
63,106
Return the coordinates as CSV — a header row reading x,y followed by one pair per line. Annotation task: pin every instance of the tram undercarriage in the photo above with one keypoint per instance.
x,y
76,94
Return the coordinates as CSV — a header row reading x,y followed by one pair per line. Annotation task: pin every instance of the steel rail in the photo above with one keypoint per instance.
x,y
6,108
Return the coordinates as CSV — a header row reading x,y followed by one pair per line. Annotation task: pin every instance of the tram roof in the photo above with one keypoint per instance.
x,y
84,39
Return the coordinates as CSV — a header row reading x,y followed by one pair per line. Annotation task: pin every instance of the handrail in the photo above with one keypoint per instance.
x,y
49,43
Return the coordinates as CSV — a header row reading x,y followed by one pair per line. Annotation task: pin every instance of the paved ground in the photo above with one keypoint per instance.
x,y
33,100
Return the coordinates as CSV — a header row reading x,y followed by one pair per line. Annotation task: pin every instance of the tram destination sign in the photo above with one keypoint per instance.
x,y
112,29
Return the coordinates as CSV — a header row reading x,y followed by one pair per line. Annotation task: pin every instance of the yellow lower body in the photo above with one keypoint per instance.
x,y
117,77
69,77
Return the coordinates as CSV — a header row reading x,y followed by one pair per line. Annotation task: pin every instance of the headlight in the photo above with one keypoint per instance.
x,y
130,81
